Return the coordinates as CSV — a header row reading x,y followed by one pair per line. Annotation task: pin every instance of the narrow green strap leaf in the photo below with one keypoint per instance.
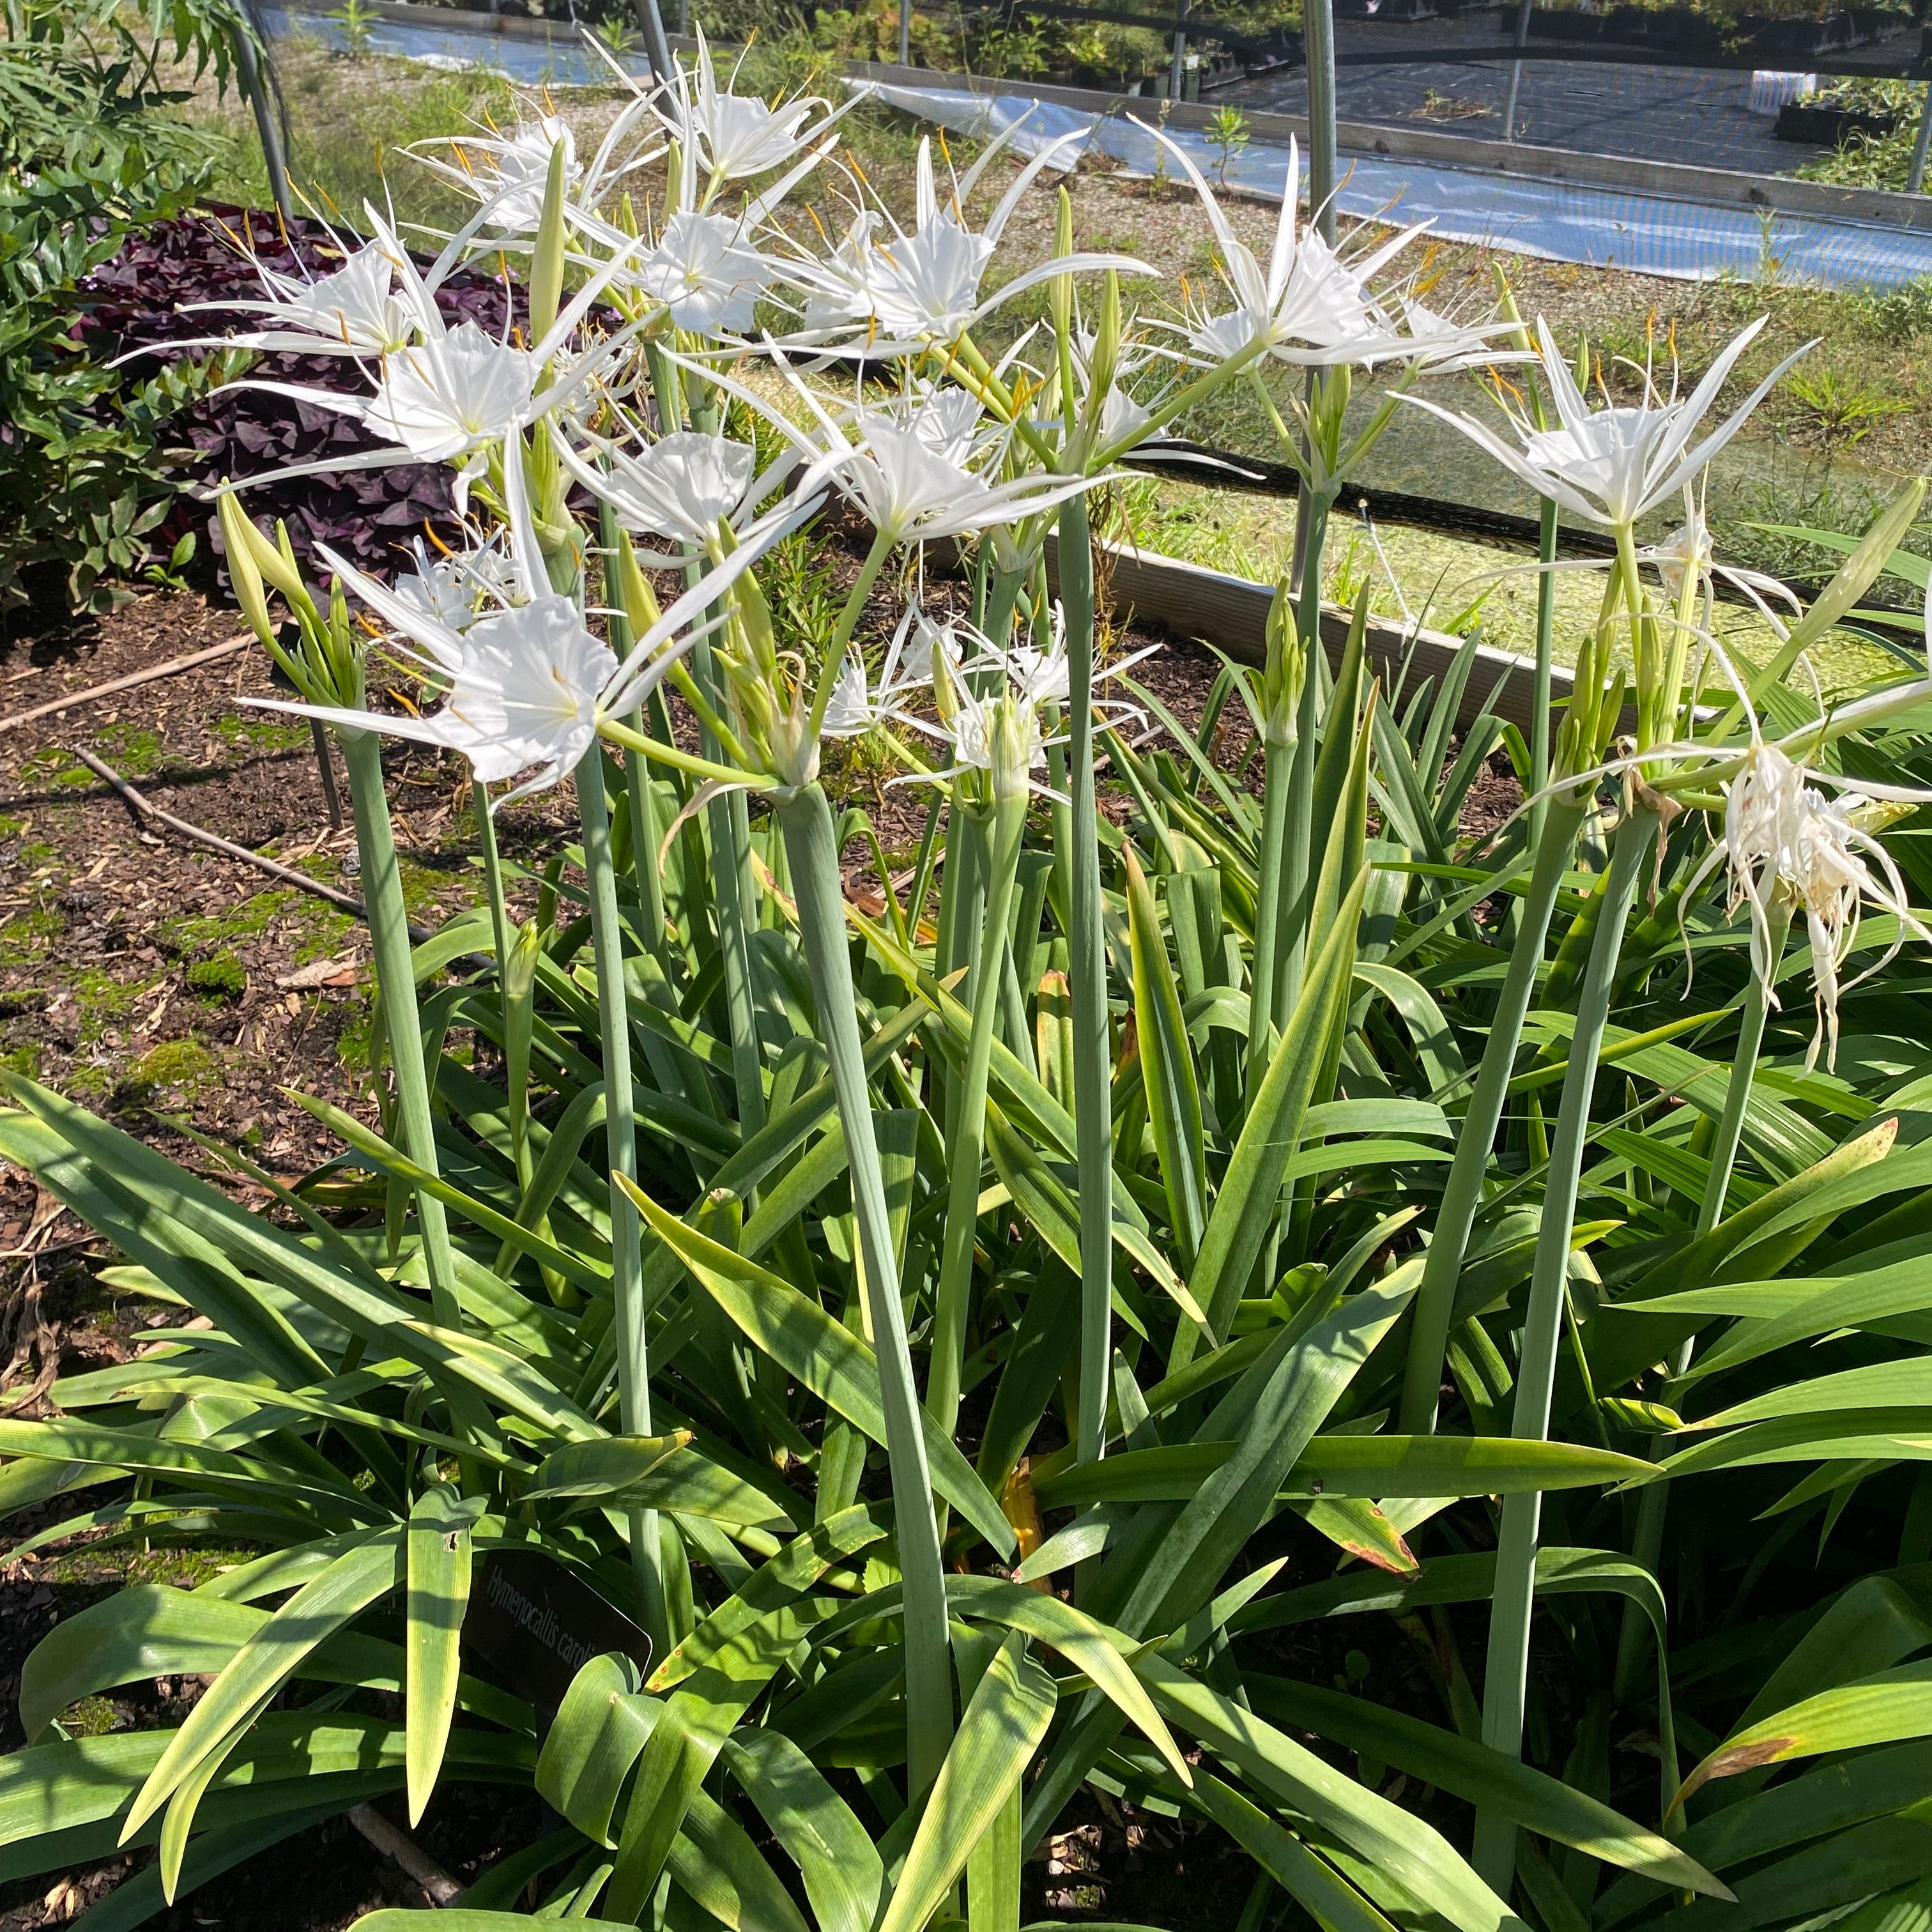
x,y
351,1583
1490,1778
438,1543
1395,1842
1087,1644
1880,1709
1334,1903
598,1735
1003,1724
1167,1059
1251,1188
785,1578
831,1361
1374,1466
843,1877
605,1468
993,1872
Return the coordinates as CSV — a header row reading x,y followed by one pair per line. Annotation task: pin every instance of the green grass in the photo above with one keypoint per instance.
x,y
349,118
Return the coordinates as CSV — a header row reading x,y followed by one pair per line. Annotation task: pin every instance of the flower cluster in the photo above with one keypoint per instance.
x,y
672,378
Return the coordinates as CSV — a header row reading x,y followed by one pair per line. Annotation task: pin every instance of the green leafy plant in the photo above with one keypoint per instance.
x,y
89,150
1842,405
356,19
1075,1315
1227,134
618,34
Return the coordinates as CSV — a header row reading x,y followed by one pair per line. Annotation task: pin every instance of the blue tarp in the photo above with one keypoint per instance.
x,y
1651,234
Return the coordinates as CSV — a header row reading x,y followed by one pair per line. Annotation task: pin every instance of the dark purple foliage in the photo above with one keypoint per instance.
x,y
134,301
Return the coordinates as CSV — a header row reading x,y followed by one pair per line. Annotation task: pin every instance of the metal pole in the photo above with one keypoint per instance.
x,y
1915,176
657,49
1516,72
256,87
1177,84
1317,29
905,33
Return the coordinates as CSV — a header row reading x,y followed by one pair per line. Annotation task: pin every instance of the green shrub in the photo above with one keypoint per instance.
x,y
89,150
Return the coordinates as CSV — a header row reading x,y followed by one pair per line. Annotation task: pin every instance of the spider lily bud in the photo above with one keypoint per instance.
x,y
520,970
1506,307
547,260
1104,362
243,571
633,590
1282,673
1012,739
274,562
1061,288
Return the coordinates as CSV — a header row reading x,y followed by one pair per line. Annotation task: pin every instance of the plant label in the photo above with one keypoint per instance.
x,y
539,1624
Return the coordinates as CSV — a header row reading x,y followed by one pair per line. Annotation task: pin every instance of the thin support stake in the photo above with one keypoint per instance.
x,y
657,49
1318,31
332,797
1516,71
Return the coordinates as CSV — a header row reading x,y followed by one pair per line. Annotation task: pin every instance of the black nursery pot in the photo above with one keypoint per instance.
x,y
1830,126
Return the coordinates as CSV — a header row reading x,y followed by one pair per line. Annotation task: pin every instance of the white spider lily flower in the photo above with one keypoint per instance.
x,y
707,279
1045,676
353,310
1686,563
924,287
449,590
736,136
515,169
529,682
910,492
923,650
947,419
857,705
834,284
443,399
453,397
1784,838
523,686
682,487
1440,347
1612,466
514,174
1311,306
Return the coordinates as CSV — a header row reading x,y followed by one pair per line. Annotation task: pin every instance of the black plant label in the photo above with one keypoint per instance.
x,y
539,1624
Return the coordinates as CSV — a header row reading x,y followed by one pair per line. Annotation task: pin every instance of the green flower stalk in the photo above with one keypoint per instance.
x,y
1506,1676
1283,676
324,664
620,1129
1010,729
805,818
1087,979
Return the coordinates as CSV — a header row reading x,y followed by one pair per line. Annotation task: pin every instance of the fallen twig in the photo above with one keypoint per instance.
x,y
273,867
127,683
438,1886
